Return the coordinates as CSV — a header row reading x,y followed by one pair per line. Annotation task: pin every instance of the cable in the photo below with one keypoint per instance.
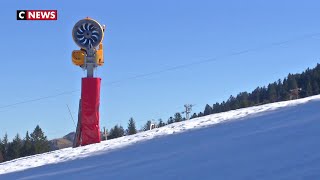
x,y
71,116
175,67
38,99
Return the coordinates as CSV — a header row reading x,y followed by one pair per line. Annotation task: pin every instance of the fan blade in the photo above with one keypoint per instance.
x,y
94,38
91,27
80,36
87,27
96,34
81,28
86,43
82,41
79,31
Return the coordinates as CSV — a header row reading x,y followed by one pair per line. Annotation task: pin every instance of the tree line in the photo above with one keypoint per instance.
x,y
293,86
35,143
119,131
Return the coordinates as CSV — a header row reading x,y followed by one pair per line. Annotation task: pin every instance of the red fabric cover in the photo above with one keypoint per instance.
x,y
90,101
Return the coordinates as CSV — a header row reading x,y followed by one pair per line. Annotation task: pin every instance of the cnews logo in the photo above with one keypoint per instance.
x,y
37,14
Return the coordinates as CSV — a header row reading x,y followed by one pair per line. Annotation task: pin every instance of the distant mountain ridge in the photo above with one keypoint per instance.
x,y
61,143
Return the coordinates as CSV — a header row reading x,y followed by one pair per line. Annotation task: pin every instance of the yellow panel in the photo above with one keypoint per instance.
x,y
78,57
99,55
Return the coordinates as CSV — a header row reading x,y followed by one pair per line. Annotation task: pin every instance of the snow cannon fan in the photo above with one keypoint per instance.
x,y
88,35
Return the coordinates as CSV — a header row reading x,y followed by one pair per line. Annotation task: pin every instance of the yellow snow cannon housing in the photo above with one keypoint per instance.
x,y
78,57
99,55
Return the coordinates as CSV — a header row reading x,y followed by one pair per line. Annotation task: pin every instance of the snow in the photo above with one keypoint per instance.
x,y
272,141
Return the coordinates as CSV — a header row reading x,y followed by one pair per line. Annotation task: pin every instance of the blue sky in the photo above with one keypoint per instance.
x,y
146,36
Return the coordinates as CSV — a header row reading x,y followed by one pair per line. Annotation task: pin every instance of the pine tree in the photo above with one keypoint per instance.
x,y
194,115
1,157
39,141
278,88
161,123
116,131
255,96
170,120
232,102
309,89
27,148
207,110
272,93
292,82
5,144
285,95
14,149
146,127
225,106
263,95
131,127
315,88
215,108
243,99
177,117
1,151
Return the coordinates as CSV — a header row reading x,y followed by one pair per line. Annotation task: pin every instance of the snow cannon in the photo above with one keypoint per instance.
x,y
88,35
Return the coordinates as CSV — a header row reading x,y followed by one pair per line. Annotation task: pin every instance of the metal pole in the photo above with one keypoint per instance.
x,y
90,69
188,110
90,62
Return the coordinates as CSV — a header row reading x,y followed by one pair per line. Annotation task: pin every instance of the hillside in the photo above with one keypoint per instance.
x,y
272,141
59,143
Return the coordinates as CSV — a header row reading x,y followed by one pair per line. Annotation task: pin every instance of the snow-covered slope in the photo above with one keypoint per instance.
x,y
273,141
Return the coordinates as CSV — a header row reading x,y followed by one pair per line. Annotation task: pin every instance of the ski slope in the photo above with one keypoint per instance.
x,y
273,141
